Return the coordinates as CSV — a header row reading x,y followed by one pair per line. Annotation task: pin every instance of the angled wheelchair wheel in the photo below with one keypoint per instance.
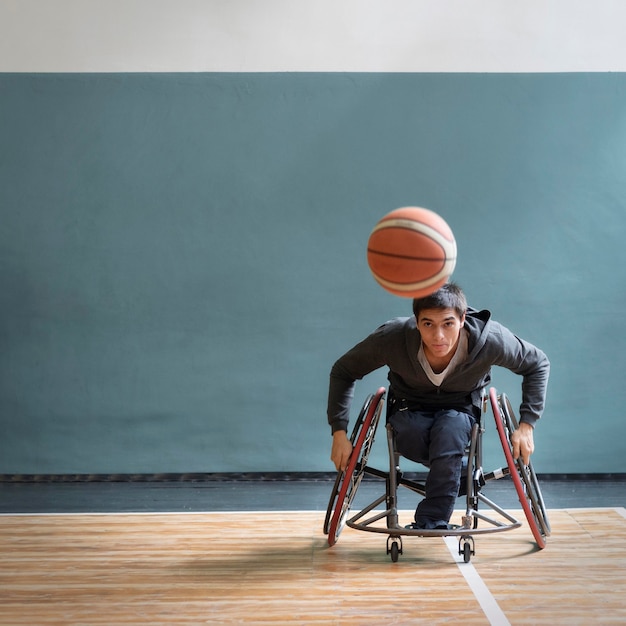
x,y
340,475
348,481
473,479
524,477
529,478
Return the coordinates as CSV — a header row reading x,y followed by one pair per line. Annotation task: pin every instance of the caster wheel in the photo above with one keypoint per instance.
x,y
467,548
394,548
467,553
395,552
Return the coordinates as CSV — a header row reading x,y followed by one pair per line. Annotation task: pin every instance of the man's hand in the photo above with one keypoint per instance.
x,y
341,450
523,443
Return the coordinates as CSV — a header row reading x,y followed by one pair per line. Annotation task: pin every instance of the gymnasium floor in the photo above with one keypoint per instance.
x,y
197,551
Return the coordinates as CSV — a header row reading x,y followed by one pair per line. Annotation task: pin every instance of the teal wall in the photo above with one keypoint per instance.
x,y
182,255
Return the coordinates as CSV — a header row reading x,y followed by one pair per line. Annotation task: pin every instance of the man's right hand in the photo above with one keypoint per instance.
x,y
341,450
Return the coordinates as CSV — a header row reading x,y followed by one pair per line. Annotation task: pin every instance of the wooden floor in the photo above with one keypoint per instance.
x,y
276,568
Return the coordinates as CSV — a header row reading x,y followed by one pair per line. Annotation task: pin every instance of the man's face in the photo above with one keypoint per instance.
x,y
440,330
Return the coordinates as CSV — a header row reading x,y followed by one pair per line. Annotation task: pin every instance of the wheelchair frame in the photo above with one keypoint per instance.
x,y
362,439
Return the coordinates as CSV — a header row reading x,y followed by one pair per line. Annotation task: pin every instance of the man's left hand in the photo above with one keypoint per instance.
x,y
523,443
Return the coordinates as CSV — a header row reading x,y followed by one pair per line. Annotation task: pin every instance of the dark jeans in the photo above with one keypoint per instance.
x,y
437,440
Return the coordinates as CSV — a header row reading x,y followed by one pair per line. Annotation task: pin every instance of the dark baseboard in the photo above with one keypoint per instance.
x,y
254,477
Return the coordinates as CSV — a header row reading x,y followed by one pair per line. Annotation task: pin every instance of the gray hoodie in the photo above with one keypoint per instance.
x,y
396,344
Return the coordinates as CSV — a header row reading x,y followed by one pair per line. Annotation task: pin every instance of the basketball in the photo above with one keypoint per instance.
x,y
411,252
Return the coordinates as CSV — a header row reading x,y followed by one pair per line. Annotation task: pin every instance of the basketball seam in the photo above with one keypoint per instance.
x,y
411,258
416,227
448,247
421,284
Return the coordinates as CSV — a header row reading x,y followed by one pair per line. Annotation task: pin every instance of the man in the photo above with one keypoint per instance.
x,y
439,361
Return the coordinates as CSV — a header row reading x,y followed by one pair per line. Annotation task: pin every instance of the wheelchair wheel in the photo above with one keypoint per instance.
x,y
524,477
340,475
529,478
473,479
347,482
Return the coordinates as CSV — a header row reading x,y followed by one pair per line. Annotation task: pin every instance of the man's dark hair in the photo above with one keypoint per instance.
x,y
450,296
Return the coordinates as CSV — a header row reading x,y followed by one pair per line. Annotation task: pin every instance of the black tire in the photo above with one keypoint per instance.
x,y
467,552
394,551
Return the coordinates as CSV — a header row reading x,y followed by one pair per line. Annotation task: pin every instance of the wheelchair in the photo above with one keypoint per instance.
x,y
493,518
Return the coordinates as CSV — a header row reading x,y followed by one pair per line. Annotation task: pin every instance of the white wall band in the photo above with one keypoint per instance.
x,y
312,35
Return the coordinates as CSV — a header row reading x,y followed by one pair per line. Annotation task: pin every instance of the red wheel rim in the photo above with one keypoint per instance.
x,y
334,528
517,481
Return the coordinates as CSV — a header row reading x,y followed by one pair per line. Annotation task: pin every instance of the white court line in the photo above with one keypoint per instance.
x,y
621,510
481,592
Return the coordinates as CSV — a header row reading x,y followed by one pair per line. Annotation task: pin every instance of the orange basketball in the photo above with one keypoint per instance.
x,y
411,252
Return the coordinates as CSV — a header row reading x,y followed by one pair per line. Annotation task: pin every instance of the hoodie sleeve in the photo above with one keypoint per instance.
x,y
365,357
525,359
